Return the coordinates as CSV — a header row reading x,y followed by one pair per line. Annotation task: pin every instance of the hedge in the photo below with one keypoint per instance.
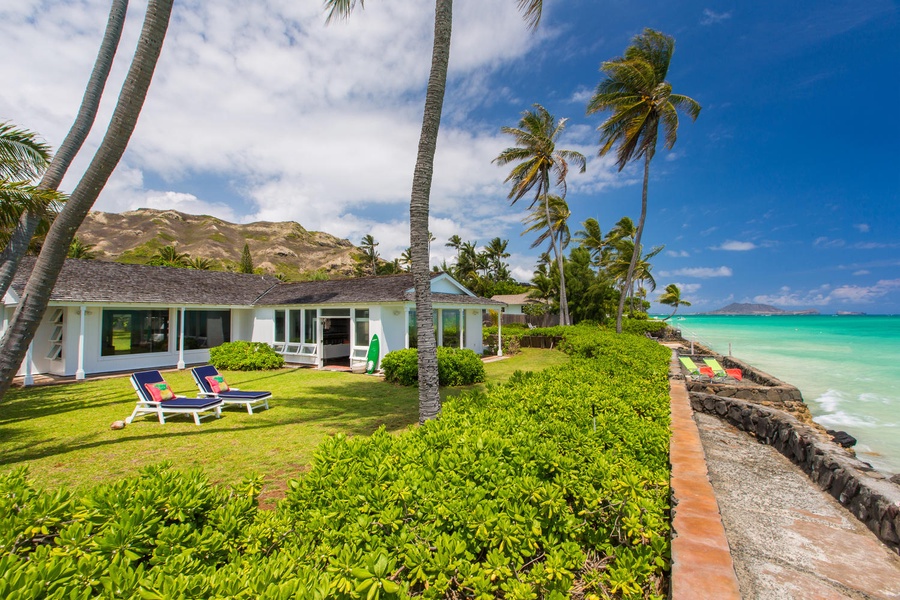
x,y
245,356
512,493
456,366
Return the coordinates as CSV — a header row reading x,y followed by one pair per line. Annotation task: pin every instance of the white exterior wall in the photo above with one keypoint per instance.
x,y
393,328
263,325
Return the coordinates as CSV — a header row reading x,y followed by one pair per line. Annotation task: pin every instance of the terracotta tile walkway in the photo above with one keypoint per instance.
x,y
701,559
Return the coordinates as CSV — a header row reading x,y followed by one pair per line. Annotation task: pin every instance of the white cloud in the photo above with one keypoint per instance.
x,y
711,17
862,227
735,246
699,272
861,272
794,299
677,253
865,294
824,242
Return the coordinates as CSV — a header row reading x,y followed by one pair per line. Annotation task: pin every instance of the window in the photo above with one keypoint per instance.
x,y
134,331
296,328
279,326
361,324
413,337
205,328
310,329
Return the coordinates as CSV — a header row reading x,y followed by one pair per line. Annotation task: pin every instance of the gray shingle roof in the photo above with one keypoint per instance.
x,y
385,288
101,281
109,282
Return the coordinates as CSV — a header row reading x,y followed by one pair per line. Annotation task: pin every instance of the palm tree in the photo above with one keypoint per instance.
x,y
169,256
78,249
23,158
45,272
29,220
537,157
429,396
672,297
369,254
205,264
640,98
559,213
495,252
591,238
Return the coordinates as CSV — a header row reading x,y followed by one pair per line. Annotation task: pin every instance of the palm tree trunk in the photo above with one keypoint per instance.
x,y
637,239
563,302
87,113
429,393
34,301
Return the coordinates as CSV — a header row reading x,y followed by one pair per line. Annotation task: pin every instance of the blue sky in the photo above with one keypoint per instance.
x,y
785,191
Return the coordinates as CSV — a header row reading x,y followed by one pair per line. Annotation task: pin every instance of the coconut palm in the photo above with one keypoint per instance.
x,y
672,297
640,98
559,215
537,160
205,264
23,158
169,256
45,272
29,220
78,249
369,255
591,238
429,396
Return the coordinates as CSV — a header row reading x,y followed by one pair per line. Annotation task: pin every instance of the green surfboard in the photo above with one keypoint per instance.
x,y
372,355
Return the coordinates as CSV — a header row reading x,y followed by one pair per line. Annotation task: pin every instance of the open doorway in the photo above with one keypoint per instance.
x,y
336,342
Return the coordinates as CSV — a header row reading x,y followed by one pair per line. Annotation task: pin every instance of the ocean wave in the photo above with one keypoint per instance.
x,y
830,400
842,419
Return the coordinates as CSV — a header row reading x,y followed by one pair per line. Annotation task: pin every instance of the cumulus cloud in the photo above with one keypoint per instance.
x,y
735,246
795,298
711,17
677,253
306,122
865,294
862,227
699,272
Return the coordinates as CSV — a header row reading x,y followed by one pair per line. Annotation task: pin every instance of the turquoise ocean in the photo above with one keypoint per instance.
x,y
847,368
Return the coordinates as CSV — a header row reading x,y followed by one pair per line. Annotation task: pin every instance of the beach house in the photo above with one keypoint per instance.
x,y
109,317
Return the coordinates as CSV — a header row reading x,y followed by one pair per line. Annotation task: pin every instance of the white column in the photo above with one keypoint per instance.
x,y
181,340
29,378
499,329
79,373
320,335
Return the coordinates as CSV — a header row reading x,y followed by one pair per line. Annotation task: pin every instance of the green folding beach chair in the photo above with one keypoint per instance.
x,y
722,372
693,370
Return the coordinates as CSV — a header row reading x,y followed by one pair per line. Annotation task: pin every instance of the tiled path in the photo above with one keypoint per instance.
x,y
782,538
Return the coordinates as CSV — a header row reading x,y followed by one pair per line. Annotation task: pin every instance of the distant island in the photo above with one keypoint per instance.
x,y
738,308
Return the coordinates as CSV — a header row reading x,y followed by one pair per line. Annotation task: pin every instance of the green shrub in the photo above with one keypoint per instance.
x,y
552,485
456,366
245,356
641,326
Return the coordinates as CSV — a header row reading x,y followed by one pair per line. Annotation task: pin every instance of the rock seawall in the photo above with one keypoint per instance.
x,y
868,494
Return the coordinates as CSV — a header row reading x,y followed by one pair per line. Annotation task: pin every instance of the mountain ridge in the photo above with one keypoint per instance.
x,y
739,308
276,247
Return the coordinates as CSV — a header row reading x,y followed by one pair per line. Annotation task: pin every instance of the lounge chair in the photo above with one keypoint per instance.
x,y
722,372
212,385
693,370
155,397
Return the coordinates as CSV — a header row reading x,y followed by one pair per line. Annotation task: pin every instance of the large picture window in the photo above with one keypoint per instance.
x,y
134,331
279,326
206,328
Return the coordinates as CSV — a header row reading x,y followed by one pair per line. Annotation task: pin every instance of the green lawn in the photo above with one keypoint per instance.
x,y
62,432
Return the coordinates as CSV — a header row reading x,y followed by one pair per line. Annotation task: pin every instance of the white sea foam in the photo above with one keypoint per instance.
x,y
830,400
841,419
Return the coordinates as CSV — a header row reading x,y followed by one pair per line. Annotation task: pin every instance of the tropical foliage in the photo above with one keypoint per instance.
x,y
550,486
456,366
635,90
78,249
540,165
245,356
672,297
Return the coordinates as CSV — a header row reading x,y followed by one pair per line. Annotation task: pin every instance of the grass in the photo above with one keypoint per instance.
x,y
62,432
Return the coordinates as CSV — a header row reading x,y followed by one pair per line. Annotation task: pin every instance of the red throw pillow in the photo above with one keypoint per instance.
x,y
217,384
160,391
